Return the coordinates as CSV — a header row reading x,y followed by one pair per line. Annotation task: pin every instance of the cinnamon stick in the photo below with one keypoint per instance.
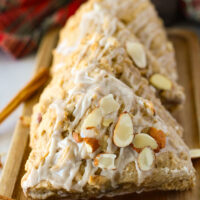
x,y
5,198
32,86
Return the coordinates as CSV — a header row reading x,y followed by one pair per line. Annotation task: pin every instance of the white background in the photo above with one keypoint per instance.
x,y
13,76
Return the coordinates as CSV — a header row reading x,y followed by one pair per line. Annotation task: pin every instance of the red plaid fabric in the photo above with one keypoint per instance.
x,y
192,9
23,22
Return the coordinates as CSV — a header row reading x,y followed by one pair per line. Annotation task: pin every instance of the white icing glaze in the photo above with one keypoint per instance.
x,y
175,171
89,171
61,174
59,66
134,25
89,82
146,28
64,48
94,19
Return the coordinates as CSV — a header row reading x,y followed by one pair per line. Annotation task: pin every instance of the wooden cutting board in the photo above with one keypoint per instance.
x,y
188,59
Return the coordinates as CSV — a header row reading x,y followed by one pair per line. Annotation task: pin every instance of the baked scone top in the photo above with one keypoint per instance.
x,y
91,132
93,27
95,129
83,138
94,17
141,18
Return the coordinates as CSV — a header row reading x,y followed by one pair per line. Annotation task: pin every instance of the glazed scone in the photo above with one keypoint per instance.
x,y
99,129
92,136
113,57
93,18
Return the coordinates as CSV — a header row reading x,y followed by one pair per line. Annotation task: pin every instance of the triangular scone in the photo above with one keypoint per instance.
x,y
112,54
92,136
91,19
98,129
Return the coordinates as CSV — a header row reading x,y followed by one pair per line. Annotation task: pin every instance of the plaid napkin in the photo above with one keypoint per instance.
x,y
23,22
192,9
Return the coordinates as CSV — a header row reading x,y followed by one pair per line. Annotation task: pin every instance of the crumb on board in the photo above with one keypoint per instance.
x,y
26,120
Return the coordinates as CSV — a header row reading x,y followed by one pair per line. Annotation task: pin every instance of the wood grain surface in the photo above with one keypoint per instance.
x,y
188,59
18,149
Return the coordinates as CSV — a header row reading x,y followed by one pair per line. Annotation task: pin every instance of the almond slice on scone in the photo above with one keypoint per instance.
x,y
123,132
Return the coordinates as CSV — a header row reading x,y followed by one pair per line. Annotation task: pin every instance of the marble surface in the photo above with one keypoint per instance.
x,y
13,75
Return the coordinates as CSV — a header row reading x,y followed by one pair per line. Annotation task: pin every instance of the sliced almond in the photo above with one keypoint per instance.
x,y
91,128
159,136
108,104
105,161
107,122
195,153
150,107
146,159
77,137
123,132
93,119
137,53
92,144
89,132
160,82
136,149
143,140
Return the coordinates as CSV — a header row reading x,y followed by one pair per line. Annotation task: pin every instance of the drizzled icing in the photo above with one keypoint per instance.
x,y
146,28
94,20
64,160
60,171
